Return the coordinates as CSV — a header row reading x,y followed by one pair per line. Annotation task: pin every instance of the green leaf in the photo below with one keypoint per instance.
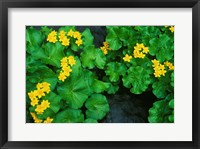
x,y
42,74
161,88
76,89
112,89
171,118
34,37
115,70
69,116
162,47
97,107
46,30
54,101
171,104
159,112
113,38
172,79
138,79
90,120
92,57
47,113
87,37
99,86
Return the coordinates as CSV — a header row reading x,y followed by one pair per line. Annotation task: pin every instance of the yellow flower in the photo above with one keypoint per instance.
x,y
159,69
39,109
62,33
155,62
40,93
71,60
65,41
105,47
48,120
52,37
53,33
36,120
46,87
171,29
39,86
127,58
79,42
34,102
77,35
140,50
67,70
146,50
45,104
64,60
169,65
32,95
62,76
70,33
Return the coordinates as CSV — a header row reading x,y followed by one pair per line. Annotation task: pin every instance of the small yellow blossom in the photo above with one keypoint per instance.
x,y
71,60
48,120
36,120
140,50
40,93
39,109
62,76
67,70
65,41
32,95
70,33
52,37
105,47
169,65
46,87
45,104
171,29
62,33
77,35
127,58
39,86
159,69
34,102
79,42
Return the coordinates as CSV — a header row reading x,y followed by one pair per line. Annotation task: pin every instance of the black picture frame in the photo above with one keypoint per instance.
x,y
5,4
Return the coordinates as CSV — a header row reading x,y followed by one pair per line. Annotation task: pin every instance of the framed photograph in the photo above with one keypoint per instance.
x,y
103,74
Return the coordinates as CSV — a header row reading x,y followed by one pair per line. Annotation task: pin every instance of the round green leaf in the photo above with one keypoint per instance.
x,y
115,70
69,116
97,107
76,89
138,79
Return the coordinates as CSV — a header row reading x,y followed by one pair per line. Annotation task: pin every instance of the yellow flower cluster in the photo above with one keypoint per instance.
x,y
159,69
43,106
171,28
42,88
36,120
63,38
140,50
105,47
66,62
48,120
52,37
127,58
169,65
